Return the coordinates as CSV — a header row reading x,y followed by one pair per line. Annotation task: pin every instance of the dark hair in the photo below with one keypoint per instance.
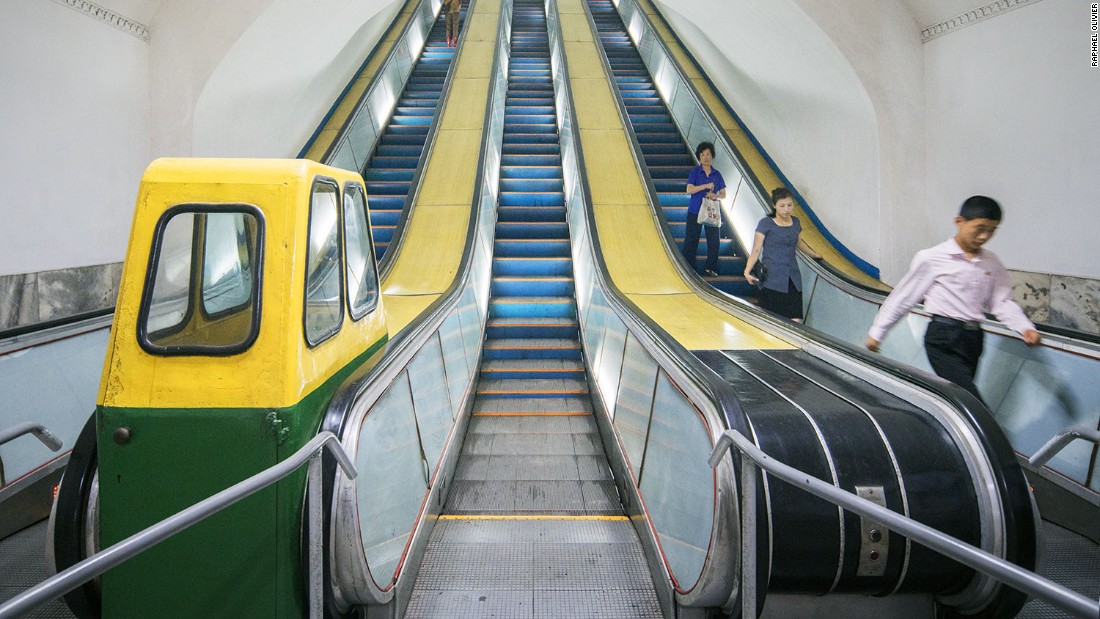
x,y
702,147
779,194
980,207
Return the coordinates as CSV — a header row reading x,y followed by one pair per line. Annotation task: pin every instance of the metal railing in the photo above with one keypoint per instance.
x,y
1060,440
67,580
752,458
38,430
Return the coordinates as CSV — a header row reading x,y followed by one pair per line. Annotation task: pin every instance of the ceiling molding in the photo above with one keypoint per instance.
x,y
108,17
970,18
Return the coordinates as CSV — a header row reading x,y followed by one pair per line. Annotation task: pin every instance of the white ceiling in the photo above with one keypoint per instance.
x,y
931,12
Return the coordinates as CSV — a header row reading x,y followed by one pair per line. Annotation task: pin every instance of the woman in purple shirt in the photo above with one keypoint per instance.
x,y
776,239
703,182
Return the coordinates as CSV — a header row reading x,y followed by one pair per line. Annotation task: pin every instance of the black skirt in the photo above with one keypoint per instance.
x,y
787,304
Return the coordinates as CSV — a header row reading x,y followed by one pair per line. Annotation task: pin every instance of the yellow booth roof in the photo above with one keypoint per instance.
x,y
278,369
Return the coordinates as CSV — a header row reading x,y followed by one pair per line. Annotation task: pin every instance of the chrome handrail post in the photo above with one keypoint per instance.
x,y
748,536
39,431
316,538
1060,440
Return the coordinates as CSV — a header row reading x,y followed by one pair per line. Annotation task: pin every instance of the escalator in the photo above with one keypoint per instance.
x,y
533,521
668,158
868,427
390,171
1030,399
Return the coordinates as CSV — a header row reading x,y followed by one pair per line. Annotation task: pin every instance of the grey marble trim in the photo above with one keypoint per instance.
x,y
1032,292
108,17
1075,303
18,300
1058,300
969,18
29,298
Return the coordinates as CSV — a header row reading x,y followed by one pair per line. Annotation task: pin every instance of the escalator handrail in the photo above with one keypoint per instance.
x,y
390,57
1076,335
1055,337
668,352
1019,518
971,556
663,229
404,344
401,227
365,387
756,185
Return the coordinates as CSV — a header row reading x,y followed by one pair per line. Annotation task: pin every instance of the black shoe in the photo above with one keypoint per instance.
x,y
710,273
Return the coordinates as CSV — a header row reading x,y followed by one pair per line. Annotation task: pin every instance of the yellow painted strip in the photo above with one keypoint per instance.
x,y
528,517
633,246
401,310
427,259
698,325
755,159
359,85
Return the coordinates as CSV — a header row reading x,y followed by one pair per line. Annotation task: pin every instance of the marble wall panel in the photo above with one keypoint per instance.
x,y
28,298
18,299
71,291
1032,292
1075,303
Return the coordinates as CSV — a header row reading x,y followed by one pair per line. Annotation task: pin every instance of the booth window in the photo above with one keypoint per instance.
x,y
362,278
202,287
324,310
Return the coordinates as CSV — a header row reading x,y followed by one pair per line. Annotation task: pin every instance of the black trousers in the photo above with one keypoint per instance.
x,y
691,243
953,351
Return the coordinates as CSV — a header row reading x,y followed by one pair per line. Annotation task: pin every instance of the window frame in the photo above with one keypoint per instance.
x,y
373,304
320,180
196,276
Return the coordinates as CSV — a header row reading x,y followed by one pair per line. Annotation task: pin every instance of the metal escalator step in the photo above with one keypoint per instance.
x,y
557,444
532,368
564,406
527,531
545,424
538,286
519,307
533,327
534,321
533,467
533,343
533,497
538,387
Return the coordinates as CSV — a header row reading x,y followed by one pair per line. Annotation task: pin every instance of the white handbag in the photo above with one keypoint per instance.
x,y
710,213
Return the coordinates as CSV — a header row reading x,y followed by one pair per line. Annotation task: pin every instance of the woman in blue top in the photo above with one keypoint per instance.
x,y
703,182
777,237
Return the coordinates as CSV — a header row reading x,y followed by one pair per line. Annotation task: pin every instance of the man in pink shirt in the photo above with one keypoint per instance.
x,y
958,281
